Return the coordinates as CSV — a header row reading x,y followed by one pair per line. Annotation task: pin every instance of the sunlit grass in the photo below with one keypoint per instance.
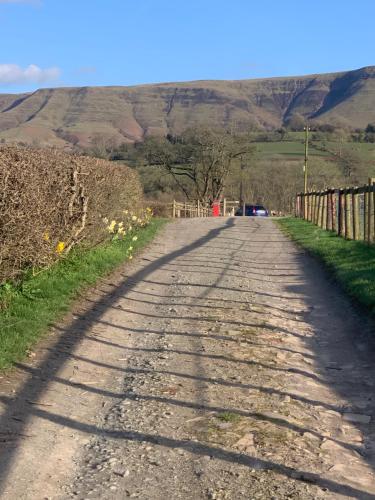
x,y
31,307
351,262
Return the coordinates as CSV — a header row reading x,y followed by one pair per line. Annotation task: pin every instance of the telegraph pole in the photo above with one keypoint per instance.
x,y
306,129
242,202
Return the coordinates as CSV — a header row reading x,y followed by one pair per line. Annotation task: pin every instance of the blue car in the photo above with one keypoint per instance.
x,y
253,211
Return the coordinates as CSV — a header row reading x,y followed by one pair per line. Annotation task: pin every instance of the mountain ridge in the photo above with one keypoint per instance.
x,y
66,116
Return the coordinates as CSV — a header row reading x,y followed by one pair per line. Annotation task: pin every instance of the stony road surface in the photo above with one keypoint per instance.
x,y
222,364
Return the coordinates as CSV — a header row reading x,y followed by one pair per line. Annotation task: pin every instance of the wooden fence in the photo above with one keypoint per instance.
x,y
189,210
197,209
349,212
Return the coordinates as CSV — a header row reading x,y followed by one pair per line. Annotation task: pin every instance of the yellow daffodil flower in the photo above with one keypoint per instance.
x,y
60,247
111,227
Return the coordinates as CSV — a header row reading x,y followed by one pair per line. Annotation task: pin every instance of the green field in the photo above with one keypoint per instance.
x,y
289,149
293,148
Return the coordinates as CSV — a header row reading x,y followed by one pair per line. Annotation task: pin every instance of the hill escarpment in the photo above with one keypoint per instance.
x,y
66,116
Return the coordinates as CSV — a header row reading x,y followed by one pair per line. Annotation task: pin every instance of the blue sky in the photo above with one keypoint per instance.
x,y
48,43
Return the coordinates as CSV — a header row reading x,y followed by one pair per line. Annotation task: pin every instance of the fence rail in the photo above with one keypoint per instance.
x,y
186,210
189,210
349,212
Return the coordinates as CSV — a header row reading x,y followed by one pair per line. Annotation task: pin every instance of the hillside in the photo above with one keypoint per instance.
x,y
64,116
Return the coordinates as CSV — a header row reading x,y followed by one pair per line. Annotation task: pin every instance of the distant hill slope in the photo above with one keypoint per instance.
x,y
63,116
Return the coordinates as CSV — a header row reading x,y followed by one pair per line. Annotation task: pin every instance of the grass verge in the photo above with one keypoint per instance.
x,y
351,262
40,300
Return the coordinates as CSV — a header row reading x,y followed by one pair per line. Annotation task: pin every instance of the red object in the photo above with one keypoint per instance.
x,y
216,209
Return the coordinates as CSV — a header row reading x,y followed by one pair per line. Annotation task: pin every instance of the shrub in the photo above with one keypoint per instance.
x,y
50,201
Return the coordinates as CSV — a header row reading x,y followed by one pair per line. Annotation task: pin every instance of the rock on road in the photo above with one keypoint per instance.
x,y
222,364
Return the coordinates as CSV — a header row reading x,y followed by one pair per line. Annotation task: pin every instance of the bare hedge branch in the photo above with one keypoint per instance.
x,y
47,197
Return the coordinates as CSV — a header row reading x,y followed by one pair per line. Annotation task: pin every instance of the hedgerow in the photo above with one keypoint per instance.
x,y
50,201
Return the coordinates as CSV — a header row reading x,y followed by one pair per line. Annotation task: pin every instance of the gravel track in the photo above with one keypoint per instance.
x,y
223,364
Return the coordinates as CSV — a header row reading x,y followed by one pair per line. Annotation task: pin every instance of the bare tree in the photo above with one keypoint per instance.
x,y
199,160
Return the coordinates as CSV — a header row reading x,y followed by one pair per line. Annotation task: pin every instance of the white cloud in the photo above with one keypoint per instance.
x,y
12,74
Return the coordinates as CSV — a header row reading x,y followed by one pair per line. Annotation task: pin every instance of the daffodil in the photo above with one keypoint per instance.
x,y
111,227
46,236
134,218
60,247
134,238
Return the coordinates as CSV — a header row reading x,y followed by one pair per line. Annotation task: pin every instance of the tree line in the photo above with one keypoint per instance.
x,y
206,163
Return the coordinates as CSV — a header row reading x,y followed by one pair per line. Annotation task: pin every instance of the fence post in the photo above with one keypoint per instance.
x,y
341,213
324,211
370,230
355,203
347,214
334,211
330,210
315,208
340,210
307,205
310,206
316,215
365,214
224,207
320,209
331,207
174,209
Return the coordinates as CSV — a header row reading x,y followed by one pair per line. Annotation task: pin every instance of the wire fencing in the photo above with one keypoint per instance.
x,y
349,211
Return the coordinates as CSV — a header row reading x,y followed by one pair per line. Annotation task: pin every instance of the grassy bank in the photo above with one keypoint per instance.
x,y
30,308
351,262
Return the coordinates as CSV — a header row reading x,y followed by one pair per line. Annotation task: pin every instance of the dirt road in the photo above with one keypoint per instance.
x,y
223,364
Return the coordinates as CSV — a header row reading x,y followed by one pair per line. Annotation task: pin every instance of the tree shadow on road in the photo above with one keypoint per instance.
x,y
69,337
